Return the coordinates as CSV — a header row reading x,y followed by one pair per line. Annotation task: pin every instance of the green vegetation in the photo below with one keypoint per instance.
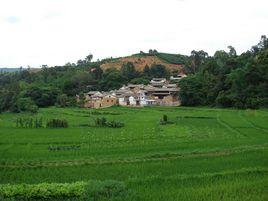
x,y
173,58
228,80
57,123
169,58
205,154
102,122
224,80
165,120
29,123
88,191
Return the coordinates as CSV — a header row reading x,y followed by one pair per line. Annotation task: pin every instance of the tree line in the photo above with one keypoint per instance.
x,y
224,79
28,90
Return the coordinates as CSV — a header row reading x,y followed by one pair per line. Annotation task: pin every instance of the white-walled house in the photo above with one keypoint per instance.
x,y
123,101
142,98
159,92
132,101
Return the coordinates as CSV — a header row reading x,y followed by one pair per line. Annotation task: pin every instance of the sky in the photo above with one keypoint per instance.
x,y
54,32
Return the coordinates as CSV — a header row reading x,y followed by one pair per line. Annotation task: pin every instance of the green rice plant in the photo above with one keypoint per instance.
x,y
165,120
103,122
29,123
57,123
206,154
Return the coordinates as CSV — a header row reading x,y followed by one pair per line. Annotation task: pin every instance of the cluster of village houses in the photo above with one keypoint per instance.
x,y
159,92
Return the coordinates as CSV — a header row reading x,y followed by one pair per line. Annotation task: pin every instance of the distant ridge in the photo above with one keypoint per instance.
x,y
10,70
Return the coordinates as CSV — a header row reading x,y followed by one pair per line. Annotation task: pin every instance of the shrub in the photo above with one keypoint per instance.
x,y
165,120
106,190
42,191
64,101
82,191
29,123
26,105
57,123
115,124
224,100
103,122
100,121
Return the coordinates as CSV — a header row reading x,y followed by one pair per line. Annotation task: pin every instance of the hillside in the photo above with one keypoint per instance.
x,y
170,61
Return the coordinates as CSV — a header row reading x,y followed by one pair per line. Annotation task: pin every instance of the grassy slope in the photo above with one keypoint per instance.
x,y
221,157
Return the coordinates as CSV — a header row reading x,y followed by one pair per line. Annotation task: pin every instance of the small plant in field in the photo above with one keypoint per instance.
x,y
100,121
64,148
165,120
115,124
103,122
57,123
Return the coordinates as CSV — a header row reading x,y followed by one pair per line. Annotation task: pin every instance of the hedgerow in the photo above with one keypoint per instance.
x,y
87,191
57,123
42,190
103,122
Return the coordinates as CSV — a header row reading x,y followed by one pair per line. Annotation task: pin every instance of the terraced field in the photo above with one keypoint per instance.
x,y
204,154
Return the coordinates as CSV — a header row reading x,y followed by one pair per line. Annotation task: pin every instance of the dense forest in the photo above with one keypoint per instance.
x,y
228,80
223,80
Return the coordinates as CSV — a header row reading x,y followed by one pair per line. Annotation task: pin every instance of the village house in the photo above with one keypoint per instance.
x,y
158,92
142,99
177,77
158,82
123,99
108,101
96,99
164,96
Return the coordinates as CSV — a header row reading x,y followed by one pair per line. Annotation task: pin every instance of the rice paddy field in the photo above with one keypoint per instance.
x,y
202,155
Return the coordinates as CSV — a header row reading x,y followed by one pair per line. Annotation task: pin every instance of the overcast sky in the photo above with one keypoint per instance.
x,y
54,32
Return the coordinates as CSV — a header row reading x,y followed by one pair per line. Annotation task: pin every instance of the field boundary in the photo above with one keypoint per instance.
x,y
149,158
230,128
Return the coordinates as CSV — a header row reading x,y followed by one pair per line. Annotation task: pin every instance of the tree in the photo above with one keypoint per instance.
x,y
42,96
197,58
221,57
232,51
146,71
159,70
140,80
62,100
89,58
128,71
263,44
191,91
111,79
45,73
81,62
152,52
26,105
97,72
